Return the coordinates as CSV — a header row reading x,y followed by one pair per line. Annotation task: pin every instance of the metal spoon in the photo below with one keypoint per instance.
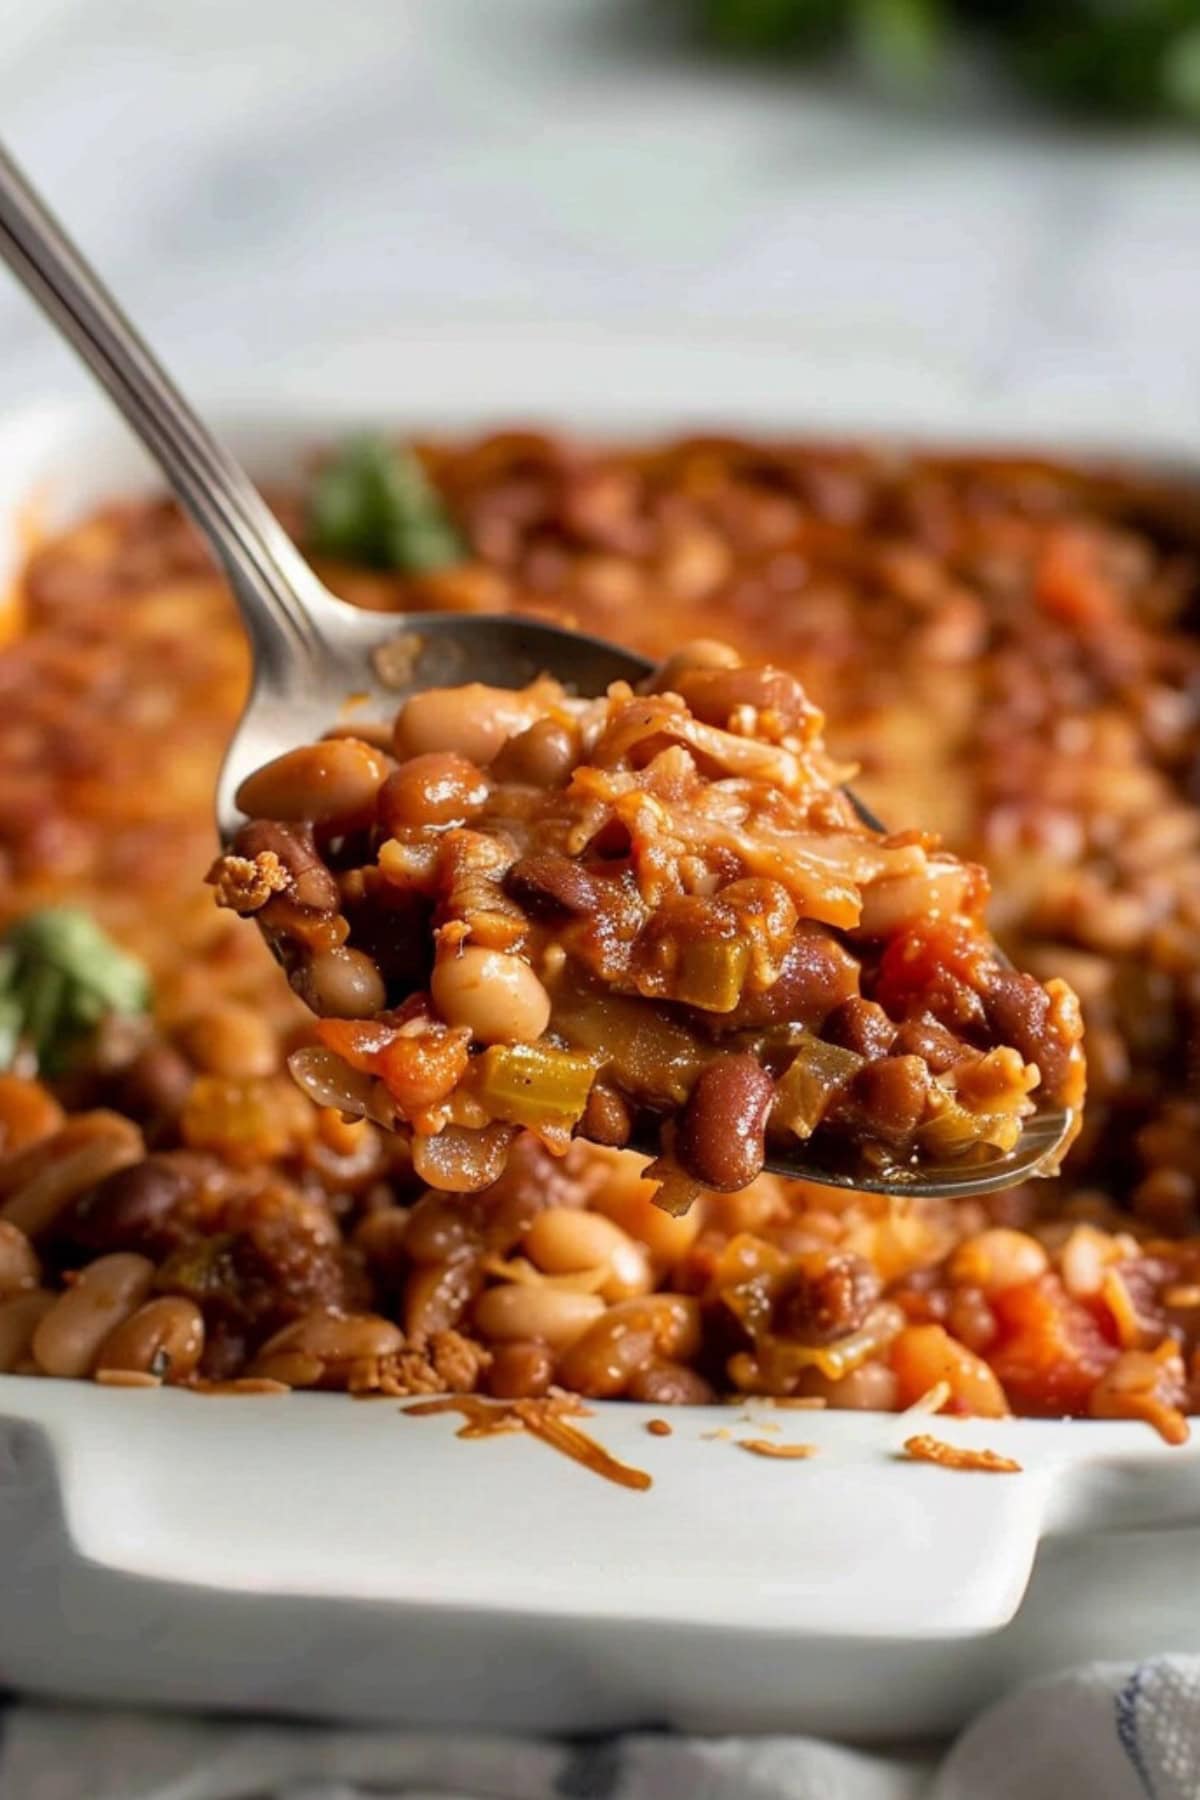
x,y
314,654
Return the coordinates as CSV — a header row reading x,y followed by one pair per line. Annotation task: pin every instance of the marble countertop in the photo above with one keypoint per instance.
x,y
259,180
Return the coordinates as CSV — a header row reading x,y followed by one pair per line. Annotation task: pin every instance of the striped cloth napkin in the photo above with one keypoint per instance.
x,y
1107,1732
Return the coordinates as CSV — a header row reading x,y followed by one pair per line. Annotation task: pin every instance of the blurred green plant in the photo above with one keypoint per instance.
x,y
60,976
1133,59
373,504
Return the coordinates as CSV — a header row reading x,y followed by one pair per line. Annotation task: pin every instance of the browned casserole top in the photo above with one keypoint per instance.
x,y
1007,649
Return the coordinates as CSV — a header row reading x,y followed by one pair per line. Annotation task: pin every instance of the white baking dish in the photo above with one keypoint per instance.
x,y
311,1555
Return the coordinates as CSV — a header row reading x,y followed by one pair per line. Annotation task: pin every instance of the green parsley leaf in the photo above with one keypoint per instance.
x,y
373,504
60,975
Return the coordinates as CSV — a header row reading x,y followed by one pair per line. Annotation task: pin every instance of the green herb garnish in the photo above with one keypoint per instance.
x,y
373,504
60,975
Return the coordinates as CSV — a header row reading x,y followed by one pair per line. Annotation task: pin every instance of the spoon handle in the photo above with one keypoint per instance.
x,y
279,596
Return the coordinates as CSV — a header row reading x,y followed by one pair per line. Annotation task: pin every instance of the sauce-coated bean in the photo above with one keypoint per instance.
x,y
472,720
496,995
556,1316
721,1133
438,789
341,984
333,784
68,1339
165,1337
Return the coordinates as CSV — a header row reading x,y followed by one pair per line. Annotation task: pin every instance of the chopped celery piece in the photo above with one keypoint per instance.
x,y
806,1089
534,1084
711,972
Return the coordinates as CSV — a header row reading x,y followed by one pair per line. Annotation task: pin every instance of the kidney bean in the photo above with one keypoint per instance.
x,y
893,1093
1018,1010
155,1086
817,974
721,1132
937,1047
860,1025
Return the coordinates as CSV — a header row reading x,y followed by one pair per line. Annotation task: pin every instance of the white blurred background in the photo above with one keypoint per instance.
x,y
261,179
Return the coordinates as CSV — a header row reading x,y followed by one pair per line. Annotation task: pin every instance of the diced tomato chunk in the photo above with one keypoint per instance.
x,y
420,1071
1051,1350
917,963
358,1042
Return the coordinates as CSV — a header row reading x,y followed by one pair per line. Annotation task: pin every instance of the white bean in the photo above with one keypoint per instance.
x,y
67,1341
496,995
555,1316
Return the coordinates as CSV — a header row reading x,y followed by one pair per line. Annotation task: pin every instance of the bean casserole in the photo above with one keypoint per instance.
x,y
1008,651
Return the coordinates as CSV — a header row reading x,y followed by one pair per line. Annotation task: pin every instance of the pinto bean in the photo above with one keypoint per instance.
x,y
629,1337
543,756
721,1132
68,1339
332,785
438,789
164,1337
341,984
669,1384
715,694
473,721
564,1239
438,1294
